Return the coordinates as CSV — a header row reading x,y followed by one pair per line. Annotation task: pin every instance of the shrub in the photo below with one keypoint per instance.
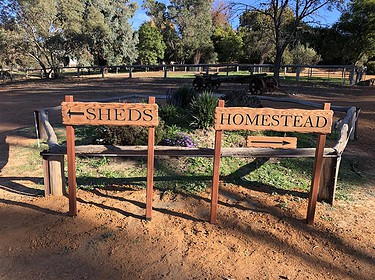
x,y
203,110
182,97
240,98
127,135
173,115
370,67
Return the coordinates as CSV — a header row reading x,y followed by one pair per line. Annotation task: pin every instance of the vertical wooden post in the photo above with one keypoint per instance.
x,y
71,155
130,72
53,174
216,172
317,171
150,166
328,179
165,72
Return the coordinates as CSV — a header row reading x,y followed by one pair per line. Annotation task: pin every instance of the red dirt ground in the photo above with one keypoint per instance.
x,y
254,237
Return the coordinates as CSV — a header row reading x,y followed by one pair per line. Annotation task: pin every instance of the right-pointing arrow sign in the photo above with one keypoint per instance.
x,y
271,142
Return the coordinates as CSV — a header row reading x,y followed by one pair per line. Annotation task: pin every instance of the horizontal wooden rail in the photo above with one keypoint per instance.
x,y
133,151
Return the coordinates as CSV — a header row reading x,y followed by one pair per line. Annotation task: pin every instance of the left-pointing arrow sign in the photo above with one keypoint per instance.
x,y
71,113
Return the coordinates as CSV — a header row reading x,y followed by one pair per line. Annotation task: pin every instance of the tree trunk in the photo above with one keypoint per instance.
x,y
197,57
277,63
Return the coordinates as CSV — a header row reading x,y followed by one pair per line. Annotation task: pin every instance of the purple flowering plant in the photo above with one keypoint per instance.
x,y
180,139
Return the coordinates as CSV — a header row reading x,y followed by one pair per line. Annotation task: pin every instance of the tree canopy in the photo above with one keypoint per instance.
x,y
45,33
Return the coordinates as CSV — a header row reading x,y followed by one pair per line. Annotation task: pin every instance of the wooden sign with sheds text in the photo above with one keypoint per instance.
x,y
283,120
94,113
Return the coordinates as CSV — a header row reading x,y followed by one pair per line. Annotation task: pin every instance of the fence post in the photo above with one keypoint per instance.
x,y
298,72
207,69
102,70
252,70
328,180
40,130
165,71
130,72
352,74
227,70
54,179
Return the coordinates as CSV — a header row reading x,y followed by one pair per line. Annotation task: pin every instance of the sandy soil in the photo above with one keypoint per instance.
x,y
254,238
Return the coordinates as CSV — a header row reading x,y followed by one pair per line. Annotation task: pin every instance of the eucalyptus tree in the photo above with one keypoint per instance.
x,y
193,21
186,26
49,31
357,27
151,46
284,32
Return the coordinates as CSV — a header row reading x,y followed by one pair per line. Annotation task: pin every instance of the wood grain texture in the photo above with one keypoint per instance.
x,y
271,142
317,171
216,171
94,113
263,119
71,156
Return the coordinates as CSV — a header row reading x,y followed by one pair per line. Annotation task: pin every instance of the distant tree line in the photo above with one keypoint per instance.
x,y
47,33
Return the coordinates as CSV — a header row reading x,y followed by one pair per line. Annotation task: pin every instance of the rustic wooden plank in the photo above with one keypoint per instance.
x,y
150,166
94,113
72,184
328,179
216,171
271,142
262,119
108,150
51,135
343,140
46,176
317,171
56,175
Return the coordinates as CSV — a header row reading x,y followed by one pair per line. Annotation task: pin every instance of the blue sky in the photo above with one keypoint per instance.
x,y
327,17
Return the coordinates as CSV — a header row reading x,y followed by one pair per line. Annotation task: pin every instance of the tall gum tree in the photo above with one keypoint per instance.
x,y
276,10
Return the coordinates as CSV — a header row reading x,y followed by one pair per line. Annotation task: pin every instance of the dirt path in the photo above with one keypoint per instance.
x,y
256,237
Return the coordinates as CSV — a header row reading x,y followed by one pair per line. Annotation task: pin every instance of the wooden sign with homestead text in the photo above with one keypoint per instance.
x,y
282,120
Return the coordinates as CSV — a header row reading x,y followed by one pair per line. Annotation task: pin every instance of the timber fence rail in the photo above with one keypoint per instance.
x,y
346,74
53,158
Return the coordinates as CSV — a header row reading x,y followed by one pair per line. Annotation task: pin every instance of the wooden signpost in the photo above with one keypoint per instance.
x,y
94,113
283,120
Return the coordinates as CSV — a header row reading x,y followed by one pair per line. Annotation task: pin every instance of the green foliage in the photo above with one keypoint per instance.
x,y
357,27
257,37
203,110
173,115
50,31
304,55
195,33
227,44
128,135
151,46
370,67
182,97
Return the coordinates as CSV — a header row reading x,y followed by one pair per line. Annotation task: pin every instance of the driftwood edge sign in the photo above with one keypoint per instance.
x,y
283,120
94,113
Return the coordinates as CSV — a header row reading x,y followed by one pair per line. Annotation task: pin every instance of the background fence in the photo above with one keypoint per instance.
x,y
341,74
